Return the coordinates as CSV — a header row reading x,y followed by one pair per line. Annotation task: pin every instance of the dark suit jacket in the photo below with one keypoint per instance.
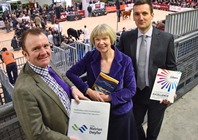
x,y
161,52
39,110
121,69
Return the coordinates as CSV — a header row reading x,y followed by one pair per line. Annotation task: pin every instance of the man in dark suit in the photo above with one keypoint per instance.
x,y
159,53
41,101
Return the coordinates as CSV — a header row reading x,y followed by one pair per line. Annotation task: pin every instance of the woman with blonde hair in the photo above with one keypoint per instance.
x,y
108,59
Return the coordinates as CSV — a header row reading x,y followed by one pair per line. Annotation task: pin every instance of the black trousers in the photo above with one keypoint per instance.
x,y
12,72
155,114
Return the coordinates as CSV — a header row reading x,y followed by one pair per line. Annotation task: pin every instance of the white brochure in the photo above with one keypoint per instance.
x,y
165,85
89,120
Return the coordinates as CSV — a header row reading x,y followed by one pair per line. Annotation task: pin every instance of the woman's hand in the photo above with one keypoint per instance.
x,y
105,97
94,95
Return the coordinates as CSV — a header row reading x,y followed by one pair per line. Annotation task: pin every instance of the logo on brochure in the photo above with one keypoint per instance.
x,y
92,129
82,129
167,81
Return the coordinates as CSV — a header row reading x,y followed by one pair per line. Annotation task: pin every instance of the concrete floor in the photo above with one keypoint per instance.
x,y
180,121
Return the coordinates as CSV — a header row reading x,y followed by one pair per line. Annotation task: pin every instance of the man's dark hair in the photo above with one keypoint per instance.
x,y
141,2
33,31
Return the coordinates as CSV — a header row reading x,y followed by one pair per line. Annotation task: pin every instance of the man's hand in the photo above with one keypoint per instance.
x,y
72,138
166,101
78,95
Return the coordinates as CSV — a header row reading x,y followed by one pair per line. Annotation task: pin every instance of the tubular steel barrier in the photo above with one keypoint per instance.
x,y
63,58
7,88
181,23
186,48
81,49
20,62
66,56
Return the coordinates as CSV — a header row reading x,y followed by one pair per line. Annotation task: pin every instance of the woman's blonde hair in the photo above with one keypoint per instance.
x,y
103,29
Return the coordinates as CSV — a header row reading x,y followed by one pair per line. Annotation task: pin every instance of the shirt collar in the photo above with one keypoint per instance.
x,y
148,33
39,70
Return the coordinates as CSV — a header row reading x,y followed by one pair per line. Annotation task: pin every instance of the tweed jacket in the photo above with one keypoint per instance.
x,y
39,110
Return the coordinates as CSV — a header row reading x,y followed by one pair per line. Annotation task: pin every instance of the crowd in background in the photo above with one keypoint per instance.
x,y
182,3
27,18
22,19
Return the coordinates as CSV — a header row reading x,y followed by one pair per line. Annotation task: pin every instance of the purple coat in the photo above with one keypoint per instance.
x,y
121,69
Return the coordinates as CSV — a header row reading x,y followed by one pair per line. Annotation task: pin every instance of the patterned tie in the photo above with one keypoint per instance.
x,y
65,98
141,67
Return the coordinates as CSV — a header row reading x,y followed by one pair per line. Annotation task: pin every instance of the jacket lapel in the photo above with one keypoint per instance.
x,y
133,48
116,66
154,46
95,64
45,88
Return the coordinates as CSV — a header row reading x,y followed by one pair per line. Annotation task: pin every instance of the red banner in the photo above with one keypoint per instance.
x,y
63,15
82,12
113,8
161,6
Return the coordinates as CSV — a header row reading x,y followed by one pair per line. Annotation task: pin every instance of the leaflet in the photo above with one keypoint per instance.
x,y
165,85
89,120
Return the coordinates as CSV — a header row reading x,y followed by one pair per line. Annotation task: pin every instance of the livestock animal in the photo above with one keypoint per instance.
x,y
74,33
126,14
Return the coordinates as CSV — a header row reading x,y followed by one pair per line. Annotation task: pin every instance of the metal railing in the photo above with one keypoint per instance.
x,y
186,48
20,62
180,23
7,87
68,54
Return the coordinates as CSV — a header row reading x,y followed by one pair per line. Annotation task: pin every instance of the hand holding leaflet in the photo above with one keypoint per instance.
x,y
165,85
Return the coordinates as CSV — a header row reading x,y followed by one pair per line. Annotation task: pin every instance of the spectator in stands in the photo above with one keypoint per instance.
x,y
11,67
44,16
160,25
58,27
154,23
89,9
158,55
15,44
107,59
37,20
68,40
50,38
42,95
86,34
7,24
123,29
14,22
